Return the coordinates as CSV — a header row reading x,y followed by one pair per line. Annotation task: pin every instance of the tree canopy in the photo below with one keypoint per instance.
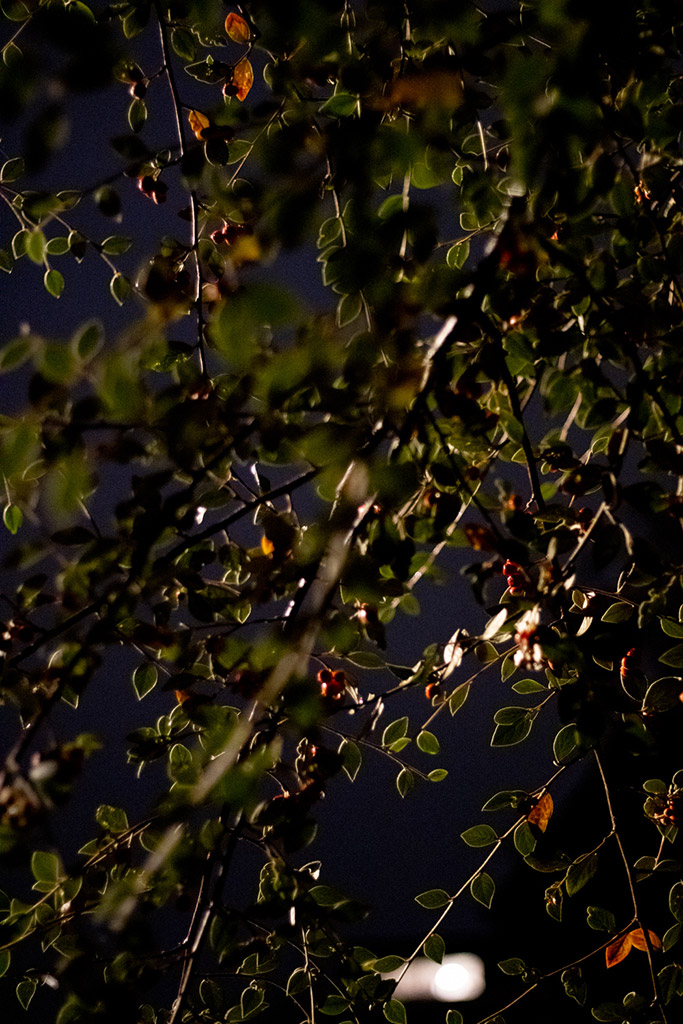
x,y
390,283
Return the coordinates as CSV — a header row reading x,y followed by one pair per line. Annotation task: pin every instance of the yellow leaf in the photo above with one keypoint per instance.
x,y
638,939
198,122
541,813
237,29
243,78
267,546
619,949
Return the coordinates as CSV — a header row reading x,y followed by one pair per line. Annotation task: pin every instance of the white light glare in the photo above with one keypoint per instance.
x,y
458,979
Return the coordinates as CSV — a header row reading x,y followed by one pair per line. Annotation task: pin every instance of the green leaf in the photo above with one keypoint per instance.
x,y
618,612
183,43
432,899
458,698
671,937
662,695
482,888
46,867
600,920
512,728
513,965
387,964
25,991
434,948
580,873
111,819
454,1017
437,775
671,627
349,309
145,679
528,686
120,288
366,659
673,657
567,745
351,757
394,1011
456,257
334,1005
35,243
12,517
54,282
88,340
115,245
428,743
58,246
405,782
676,901
5,960
11,170
395,730
479,835
137,115
574,985
524,839
342,104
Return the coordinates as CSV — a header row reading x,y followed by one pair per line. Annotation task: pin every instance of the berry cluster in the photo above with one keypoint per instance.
x,y
332,684
514,577
153,188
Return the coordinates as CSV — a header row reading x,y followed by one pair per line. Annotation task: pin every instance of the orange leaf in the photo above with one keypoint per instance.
x,y
243,78
619,949
237,29
198,122
638,939
267,546
541,813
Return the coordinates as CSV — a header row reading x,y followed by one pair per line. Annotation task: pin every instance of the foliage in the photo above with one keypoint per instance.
x,y
231,493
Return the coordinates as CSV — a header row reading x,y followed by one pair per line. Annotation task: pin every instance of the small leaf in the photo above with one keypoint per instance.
x,y
513,965
35,246
435,948
54,283
528,686
137,115
454,1017
432,899
115,245
599,919
46,867
580,873
366,659
25,991
12,517
387,964
237,29
243,78
120,288
349,308
662,695
428,743
618,612
395,731
111,819
574,985
676,901
479,835
671,937
351,757
673,657
524,839
507,734
404,782
456,257
5,960
437,775
394,1011
198,122
672,628
482,888
541,813
567,745
145,679
458,698
342,104
11,170
183,43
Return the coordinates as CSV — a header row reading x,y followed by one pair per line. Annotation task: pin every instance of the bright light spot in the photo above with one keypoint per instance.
x,y
459,978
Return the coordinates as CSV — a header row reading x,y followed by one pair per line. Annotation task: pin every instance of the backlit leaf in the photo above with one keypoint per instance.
x,y
236,28
541,813
243,78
